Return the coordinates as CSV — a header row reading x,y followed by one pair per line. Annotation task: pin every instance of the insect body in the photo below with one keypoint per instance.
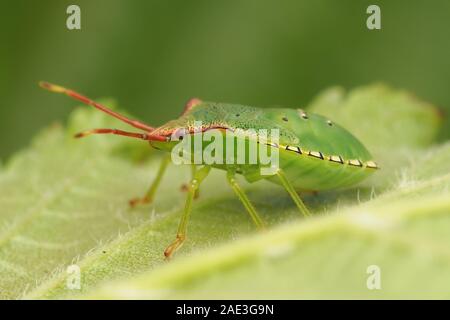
x,y
314,153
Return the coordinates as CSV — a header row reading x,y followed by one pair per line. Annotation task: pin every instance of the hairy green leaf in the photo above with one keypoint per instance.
x,y
381,117
64,202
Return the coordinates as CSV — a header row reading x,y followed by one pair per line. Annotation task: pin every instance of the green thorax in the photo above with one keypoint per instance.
x,y
296,127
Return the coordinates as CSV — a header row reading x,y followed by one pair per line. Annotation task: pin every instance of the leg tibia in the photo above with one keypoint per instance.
x,y
148,197
199,176
294,195
245,200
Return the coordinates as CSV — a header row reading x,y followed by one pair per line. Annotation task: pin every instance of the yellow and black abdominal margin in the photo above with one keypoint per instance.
x,y
314,171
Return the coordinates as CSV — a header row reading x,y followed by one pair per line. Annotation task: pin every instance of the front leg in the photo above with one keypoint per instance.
x,y
185,187
199,176
148,197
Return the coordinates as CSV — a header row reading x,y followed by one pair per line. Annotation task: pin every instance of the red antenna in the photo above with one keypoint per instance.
x,y
137,124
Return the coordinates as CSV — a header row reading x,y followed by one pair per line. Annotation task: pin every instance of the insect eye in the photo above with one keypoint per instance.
x,y
329,123
178,135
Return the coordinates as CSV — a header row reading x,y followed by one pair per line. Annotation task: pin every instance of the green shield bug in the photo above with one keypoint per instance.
x,y
313,153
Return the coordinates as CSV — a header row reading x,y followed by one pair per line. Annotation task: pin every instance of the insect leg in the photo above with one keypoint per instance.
x,y
148,198
191,104
184,186
193,171
245,200
290,189
200,175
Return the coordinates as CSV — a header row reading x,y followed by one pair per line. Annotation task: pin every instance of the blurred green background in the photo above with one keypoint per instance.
x,y
153,55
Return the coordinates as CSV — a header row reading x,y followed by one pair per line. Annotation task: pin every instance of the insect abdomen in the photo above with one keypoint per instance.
x,y
313,170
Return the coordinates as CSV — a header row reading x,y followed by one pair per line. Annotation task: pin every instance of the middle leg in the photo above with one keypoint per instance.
x,y
245,200
294,195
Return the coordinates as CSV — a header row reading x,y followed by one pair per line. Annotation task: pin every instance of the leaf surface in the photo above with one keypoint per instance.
x,y
65,202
